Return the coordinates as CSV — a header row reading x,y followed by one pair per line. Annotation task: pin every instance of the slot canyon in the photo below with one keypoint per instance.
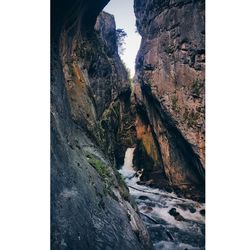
x,y
128,155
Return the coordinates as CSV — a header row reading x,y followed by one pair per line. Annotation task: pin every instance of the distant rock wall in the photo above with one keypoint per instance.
x,y
98,87
90,204
170,89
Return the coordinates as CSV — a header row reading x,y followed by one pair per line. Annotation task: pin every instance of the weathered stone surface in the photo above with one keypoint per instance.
x,y
90,205
98,87
170,78
94,118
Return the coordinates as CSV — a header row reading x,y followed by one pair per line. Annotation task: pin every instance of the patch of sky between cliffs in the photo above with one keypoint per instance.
x,y
125,19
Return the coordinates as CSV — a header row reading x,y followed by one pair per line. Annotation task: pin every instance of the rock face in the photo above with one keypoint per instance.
x,y
94,118
170,91
90,204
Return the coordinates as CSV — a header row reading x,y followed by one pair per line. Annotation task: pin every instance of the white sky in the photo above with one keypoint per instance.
x,y
125,19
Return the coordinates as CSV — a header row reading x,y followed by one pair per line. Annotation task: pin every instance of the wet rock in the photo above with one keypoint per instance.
x,y
202,212
143,197
140,182
192,209
173,212
146,183
160,233
147,202
168,189
176,214
187,207
146,209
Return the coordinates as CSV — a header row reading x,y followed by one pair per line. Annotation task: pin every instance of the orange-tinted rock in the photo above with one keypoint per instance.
x,y
170,85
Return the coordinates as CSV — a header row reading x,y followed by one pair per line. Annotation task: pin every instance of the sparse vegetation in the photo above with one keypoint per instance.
x,y
192,119
200,110
120,38
99,166
103,171
70,69
197,88
185,115
122,186
174,103
169,49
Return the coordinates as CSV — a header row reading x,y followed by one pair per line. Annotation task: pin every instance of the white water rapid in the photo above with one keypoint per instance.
x,y
174,223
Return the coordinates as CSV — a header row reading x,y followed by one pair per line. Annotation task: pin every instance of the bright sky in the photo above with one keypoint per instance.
x,y
125,19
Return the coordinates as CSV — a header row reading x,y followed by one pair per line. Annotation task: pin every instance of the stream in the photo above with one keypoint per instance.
x,y
174,223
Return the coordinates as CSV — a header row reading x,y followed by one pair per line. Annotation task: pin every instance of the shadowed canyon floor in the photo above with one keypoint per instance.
x,y
173,222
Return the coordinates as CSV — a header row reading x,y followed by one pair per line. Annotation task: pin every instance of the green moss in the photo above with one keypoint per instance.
x,y
197,87
122,187
124,191
174,103
192,119
99,166
103,171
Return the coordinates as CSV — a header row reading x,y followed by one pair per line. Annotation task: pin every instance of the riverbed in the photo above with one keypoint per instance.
x,y
174,223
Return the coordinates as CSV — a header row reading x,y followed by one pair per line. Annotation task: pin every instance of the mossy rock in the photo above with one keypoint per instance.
x,y
192,119
197,88
175,104
122,187
99,166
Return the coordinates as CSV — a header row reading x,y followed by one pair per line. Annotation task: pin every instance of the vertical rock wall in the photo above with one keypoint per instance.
x,y
90,204
170,88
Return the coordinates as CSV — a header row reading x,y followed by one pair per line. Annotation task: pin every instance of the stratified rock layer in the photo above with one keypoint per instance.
x,y
90,204
170,90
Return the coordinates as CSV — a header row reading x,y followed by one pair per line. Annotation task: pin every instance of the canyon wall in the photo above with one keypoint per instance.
x,y
90,130
170,93
95,116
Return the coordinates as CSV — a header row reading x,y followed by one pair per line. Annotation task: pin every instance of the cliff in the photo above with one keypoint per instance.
x,y
170,93
90,204
95,117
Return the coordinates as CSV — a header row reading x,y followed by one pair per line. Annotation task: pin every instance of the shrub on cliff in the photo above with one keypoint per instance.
x,y
120,39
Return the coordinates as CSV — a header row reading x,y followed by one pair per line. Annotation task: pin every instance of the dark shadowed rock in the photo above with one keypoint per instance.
x,y
202,212
90,205
175,214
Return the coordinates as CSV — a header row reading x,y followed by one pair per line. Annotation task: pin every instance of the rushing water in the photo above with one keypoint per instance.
x,y
174,223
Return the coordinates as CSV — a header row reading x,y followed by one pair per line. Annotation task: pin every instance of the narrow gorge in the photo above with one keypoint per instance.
x,y
128,156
